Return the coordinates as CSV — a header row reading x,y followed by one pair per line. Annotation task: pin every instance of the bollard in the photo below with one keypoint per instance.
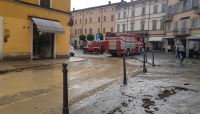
x,y
146,57
144,69
124,65
153,59
65,89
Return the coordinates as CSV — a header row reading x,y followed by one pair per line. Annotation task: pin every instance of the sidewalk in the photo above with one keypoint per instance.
x,y
19,65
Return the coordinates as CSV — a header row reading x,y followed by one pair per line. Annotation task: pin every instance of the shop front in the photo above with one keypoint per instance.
x,y
193,46
157,43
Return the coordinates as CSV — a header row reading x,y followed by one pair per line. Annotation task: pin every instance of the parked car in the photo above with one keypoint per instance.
x,y
72,51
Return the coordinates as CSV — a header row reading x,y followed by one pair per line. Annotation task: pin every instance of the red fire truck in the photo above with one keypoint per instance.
x,y
124,44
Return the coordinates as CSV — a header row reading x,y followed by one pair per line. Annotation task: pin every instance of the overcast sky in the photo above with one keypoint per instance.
x,y
80,4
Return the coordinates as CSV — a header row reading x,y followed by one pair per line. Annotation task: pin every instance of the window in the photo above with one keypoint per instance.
x,y
118,15
175,25
143,11
124,27
163,7
162,25
79,31
133,12
86,20
118,27
45,3
112,9
99,19
111,29
75,31
104,30
112,17
98,30
168,27
132,26
154,25
104,18
85,31
142,25
155,9
193,23
104,10
124,14
90,31
90,20
90,12
80,21
75,21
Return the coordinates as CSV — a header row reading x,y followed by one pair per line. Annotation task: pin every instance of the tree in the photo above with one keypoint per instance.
x,y
101,36
82,37
90,37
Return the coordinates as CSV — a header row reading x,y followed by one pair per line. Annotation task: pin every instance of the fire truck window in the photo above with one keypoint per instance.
x,y
90,44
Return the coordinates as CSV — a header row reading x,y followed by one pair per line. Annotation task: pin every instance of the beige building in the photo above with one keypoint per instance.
x,y
99,19
183,24
143,16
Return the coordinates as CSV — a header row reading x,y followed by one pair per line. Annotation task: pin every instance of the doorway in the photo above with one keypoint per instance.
x,y
43,44
157,45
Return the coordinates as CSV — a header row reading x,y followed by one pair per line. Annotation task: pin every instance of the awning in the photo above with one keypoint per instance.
x,y
168,37
48,26
193,37
156,39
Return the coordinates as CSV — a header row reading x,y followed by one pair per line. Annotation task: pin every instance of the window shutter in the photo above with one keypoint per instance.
x,y
51,3
190,23
38,2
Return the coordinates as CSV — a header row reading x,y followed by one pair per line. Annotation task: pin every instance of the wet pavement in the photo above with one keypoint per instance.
x,y
95,86
38,89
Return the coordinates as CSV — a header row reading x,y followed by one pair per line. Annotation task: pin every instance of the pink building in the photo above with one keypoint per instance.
x,y
93,20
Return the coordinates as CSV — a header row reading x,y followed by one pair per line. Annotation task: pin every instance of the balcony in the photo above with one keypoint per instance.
x,y
181,32
197,10
168,17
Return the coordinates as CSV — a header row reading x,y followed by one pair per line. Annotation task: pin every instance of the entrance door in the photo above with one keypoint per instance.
x,y
156,45
43,44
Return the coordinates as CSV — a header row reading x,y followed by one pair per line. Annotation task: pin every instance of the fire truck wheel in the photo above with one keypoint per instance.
x,y
128,52
101,52
114,54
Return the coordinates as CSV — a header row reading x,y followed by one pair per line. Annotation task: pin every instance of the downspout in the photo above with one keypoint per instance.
x,y
101,18
127,17
148,21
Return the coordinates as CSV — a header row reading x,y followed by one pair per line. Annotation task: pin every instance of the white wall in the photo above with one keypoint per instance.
x,y
1,38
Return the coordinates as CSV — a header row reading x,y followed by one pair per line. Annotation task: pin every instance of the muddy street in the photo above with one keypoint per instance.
x,y
39,89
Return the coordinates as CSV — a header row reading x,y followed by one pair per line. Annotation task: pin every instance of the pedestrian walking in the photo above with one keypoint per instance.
x,y
169,48
176,50
180,49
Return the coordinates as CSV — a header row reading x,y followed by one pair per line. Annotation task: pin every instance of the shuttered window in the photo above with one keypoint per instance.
x,y
193,23
118,15
118,27
176,25
45,3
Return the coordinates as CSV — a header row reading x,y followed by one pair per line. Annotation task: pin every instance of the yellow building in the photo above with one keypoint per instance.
x,y
31,29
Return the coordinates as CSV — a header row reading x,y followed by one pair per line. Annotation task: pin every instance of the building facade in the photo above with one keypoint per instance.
x,y
100,19
31,29
183,23
143,16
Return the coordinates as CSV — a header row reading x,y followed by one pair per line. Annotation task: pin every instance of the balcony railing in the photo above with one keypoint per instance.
x,y
181,32
197,10
168,17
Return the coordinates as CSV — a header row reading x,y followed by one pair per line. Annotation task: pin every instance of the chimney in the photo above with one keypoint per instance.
x,y
109,2
73,9
122,0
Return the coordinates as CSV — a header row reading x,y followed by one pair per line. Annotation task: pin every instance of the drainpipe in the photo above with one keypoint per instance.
x,y
101,18
127,17
148,19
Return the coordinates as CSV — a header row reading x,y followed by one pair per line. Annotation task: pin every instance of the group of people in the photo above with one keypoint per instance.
x,y
179,48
